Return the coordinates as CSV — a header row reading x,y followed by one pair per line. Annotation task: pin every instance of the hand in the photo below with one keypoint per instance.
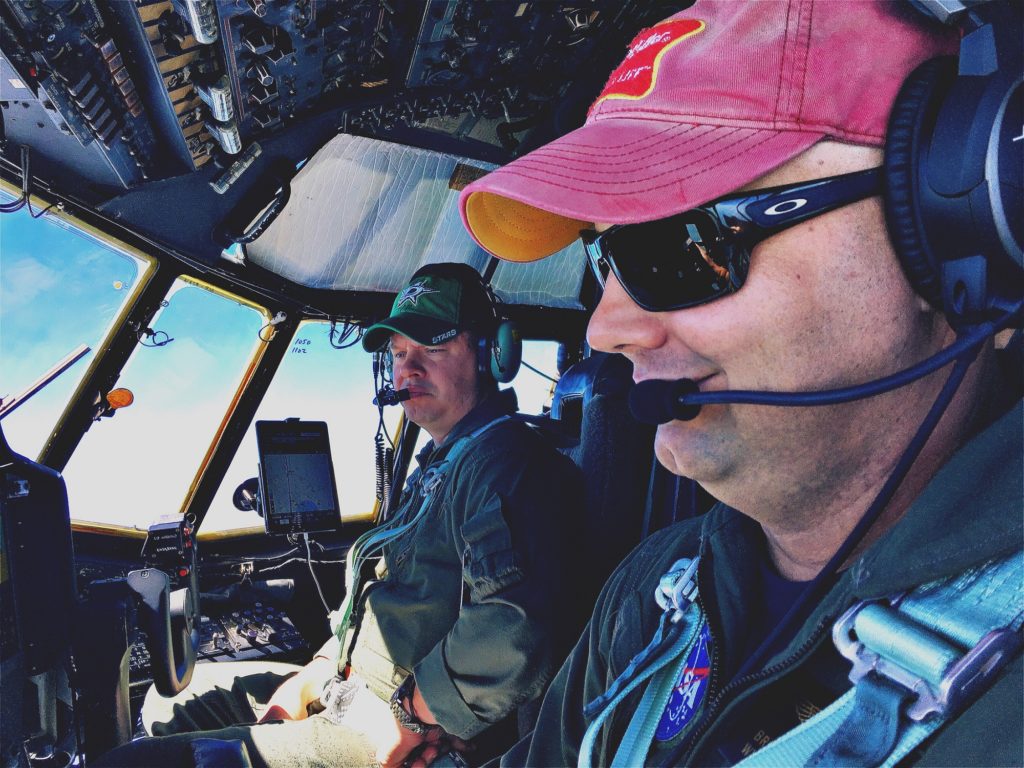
x,y
395,743
290,700
439,744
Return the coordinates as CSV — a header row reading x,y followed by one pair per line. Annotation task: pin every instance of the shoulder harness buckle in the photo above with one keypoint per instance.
x,y
677,589
940,673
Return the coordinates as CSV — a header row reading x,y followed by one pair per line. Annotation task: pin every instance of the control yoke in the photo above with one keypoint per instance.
x,y
171,635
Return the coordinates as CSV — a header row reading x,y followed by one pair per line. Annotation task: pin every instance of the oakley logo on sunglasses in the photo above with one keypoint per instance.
x,y
704,253
786,206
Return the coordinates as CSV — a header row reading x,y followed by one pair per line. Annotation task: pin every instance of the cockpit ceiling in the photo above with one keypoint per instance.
x,y
364,214
173,117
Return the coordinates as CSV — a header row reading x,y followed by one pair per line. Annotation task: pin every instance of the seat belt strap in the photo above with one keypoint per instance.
x,y
372,543
918,660
678,630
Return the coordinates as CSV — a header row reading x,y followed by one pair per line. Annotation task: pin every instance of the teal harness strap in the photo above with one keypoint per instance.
x,y
373,541
636,742
917,662
676,594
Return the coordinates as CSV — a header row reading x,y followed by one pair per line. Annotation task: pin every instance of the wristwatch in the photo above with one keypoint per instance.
x,y
406,719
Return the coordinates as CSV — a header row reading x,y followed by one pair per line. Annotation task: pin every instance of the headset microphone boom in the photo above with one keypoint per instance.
x,y
391,396
659,401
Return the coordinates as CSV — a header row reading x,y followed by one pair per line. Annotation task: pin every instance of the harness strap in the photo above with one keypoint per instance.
x,y
676,594
636,742
373,541
917,661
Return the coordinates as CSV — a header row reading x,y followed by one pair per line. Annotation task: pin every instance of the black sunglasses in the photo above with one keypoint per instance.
x,y
702,254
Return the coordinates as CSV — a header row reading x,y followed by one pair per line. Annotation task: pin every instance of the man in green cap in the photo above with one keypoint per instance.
x,y
466,621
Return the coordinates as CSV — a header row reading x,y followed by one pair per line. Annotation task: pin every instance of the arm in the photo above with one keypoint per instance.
x,y
556,737
624,619
290,700
510,513
607,643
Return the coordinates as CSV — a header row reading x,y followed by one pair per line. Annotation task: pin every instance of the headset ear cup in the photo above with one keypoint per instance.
x,y
913,113
506,352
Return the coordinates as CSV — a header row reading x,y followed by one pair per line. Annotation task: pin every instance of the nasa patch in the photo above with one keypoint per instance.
x,y
689,691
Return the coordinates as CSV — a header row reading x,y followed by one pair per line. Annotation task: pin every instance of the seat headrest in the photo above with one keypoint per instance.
x,y
600,374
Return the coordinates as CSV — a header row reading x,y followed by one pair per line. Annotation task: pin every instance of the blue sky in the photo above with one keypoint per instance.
x,y
58,289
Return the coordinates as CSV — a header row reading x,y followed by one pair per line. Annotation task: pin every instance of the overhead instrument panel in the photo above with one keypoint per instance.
x,y
70,62
125,92
283,58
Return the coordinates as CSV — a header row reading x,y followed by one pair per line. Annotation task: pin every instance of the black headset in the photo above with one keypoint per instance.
x,y
954,160
500,345
954,203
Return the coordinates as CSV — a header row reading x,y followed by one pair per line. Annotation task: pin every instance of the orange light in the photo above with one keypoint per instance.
x,y
120,398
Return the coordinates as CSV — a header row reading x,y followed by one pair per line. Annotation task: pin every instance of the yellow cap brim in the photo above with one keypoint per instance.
x,y
515,231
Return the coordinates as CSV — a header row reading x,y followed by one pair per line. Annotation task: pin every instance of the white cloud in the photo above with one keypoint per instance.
x,y
23,281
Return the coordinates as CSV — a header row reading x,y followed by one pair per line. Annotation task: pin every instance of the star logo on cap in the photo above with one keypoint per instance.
x,y
412,294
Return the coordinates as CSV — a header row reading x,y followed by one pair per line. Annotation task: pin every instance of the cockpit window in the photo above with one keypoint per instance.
x,y
536,378
316,381
62,287
139,466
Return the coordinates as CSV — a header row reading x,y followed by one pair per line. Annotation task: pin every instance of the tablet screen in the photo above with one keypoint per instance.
x,y
297,487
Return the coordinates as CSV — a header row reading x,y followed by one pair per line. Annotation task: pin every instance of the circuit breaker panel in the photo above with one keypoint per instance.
x,y
148,89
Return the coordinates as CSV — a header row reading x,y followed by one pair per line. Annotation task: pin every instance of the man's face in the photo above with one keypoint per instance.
x,y
825,305
442,381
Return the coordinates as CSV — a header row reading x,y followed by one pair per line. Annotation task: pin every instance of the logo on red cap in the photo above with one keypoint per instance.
x,y
636,76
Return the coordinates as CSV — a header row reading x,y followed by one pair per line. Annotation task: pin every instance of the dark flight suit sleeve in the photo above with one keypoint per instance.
x,y
617,631
512,516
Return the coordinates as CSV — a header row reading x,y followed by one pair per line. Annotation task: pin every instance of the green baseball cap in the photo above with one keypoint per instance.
x,y
440,301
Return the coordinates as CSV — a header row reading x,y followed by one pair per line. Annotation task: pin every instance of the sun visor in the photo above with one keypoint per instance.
x,y
365,214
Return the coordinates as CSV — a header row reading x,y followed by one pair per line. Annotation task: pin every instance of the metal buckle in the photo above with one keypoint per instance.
x,y
336,698
432,477
677,589
971,672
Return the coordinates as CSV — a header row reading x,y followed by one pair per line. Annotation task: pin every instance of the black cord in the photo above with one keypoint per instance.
x,y
76,714
14,207
380,380
539,373
823,581
343,336
20,203
147,333
28,203
291,551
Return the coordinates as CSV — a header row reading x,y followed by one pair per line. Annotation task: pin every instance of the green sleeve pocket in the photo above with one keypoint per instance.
x,y
490,564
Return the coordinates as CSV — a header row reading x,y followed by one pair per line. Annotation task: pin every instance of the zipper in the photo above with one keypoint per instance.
x,y
711,619
718,703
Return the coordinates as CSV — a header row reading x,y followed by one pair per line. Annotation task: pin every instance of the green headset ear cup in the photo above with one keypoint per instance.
x,y
506,352
913,112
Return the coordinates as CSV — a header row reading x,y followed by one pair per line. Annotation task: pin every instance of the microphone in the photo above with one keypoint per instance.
x,y
390,396
659,401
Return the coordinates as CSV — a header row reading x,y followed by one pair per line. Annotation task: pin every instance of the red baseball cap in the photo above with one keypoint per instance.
x,y
705,102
